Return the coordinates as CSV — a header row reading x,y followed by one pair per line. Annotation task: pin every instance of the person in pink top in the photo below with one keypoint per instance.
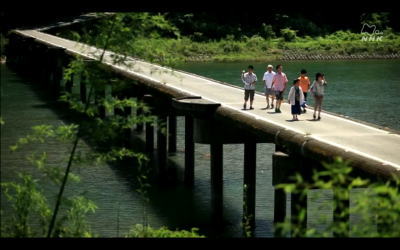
x,y
279,85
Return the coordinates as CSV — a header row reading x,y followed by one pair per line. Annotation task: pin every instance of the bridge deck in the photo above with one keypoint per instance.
x,y
366,141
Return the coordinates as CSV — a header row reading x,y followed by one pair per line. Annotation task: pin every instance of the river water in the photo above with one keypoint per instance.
x,y
366,90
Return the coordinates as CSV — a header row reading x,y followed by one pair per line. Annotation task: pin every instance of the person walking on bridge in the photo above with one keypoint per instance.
x,y
295,98
268,77
318,90
249,79
279,85
305,85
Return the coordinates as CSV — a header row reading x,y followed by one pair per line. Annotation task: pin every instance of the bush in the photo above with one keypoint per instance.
x,y
140,231
255,41
288,34
230,46
267,32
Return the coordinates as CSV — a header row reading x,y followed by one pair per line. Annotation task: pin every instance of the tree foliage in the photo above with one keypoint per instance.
x,y
378,206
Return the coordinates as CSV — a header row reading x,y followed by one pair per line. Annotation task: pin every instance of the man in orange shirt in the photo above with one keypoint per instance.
x,y
305,85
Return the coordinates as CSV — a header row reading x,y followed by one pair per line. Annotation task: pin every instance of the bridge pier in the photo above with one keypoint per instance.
x,y
189,151
139,97
118,93
341,214
284,166
83,89
281,166
172,133
99,94
249,183
70,83
149,127
162,146
56,56
298,206
216,149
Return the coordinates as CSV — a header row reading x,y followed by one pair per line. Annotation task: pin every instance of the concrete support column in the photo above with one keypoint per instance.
x,y
172,133
139,112
162,146
57,55
216,149
249,181
299,199
281,164
341,206
83,89
149,137
117,93
148,99
45,73
189,151
70,83
100,93
298,205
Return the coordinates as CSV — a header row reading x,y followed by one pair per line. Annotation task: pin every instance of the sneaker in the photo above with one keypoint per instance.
x,y
251,108
279,111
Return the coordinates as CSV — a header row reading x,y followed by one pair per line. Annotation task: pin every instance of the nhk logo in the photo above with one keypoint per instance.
x,y
370,33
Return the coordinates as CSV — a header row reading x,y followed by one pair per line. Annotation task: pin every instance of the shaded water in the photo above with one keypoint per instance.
x,y
112,188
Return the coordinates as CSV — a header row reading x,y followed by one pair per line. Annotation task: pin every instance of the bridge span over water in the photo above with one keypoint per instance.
x,y
213,114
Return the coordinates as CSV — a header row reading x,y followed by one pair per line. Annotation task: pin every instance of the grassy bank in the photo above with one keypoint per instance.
x,y
256,48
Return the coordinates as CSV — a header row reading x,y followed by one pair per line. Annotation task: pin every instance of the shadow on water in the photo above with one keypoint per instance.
x,y
181,207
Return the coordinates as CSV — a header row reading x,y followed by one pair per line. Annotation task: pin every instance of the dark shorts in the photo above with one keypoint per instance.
x,y
269,91
249,93
305,96
279,95
305,99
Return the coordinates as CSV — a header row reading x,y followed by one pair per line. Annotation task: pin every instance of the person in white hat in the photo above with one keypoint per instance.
x,y
269,92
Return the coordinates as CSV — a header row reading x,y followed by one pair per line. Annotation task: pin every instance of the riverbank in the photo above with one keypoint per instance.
x,y
258,49
163,50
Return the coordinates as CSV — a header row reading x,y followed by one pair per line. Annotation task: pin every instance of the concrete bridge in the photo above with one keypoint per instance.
x,y
213,115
